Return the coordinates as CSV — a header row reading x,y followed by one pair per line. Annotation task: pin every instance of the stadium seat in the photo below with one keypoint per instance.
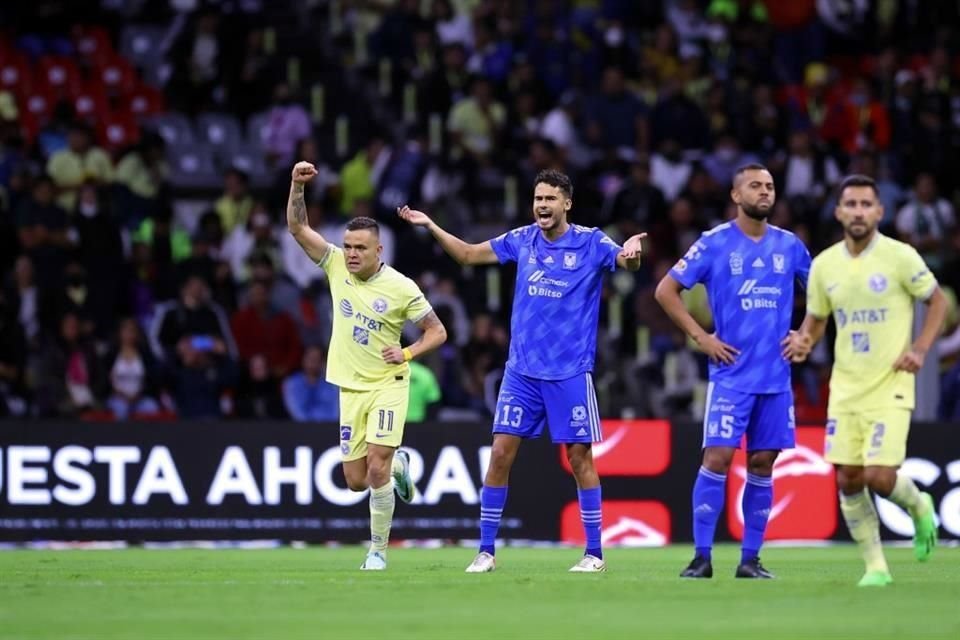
x,y
219,130
92,44
249,159
39,103
60,74
89,102
145,101
117,76
193,166
117,130
256,126
140,44
173,127
16,74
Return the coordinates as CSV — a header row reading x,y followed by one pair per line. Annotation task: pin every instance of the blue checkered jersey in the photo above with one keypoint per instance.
x,y
750,286
556,303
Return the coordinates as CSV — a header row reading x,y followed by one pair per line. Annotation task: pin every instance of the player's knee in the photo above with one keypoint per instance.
x,y
581,462
378,473
760,463
849,481
355,481
717,460
880,480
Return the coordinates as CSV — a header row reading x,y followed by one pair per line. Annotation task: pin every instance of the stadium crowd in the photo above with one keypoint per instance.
x,y
145,152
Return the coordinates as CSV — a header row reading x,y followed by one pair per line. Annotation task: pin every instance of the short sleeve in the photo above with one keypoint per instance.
x,y
802,261
818,304
332,262
694,266
914,274
606,251
507,245
417,306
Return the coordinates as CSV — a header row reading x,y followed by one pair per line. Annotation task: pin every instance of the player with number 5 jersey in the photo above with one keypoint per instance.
x,y
749,269
548,378
371,301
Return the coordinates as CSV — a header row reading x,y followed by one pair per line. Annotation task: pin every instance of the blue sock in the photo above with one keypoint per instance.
x,y
707,504
492,500
757,498
590,514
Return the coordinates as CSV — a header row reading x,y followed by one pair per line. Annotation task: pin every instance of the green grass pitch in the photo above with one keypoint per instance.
x,y
318,592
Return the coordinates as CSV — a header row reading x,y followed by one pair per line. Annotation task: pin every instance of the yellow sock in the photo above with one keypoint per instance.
x,y
906,495
864,526
382,502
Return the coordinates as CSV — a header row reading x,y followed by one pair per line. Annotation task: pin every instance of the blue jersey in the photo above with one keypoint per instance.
x,y
556,303
750,287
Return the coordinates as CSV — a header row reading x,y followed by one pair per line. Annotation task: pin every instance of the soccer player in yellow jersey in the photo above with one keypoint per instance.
x,y
869,283
371,302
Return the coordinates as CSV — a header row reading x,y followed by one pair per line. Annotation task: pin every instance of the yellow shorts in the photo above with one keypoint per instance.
x,y
375,416
869,438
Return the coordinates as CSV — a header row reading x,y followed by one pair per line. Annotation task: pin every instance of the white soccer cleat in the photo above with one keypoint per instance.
x,y
374,562
483,563
402,482
589,564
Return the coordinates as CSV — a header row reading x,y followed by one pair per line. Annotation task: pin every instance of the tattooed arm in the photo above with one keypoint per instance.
x,y
434,335
311,241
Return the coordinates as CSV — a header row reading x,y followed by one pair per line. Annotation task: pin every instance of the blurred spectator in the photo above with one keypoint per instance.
x,y
13,360
67,373
192,337
261,329
141,180
926,221
133,374
235,204
80,162
452,26
256,236
804,174
669,171
258,393
725,159
359,177
197,56
307,396
679,118
43,233
24,297
559,127
100,251
476,122
251,78
639,205
287,124
447,84
424,392
615,117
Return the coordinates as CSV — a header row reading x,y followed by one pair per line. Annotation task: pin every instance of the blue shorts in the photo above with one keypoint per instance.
x,y
569,406
767,419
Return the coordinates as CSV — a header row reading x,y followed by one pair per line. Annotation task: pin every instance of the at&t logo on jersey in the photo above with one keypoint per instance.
x,y
750,288
346,308
860,316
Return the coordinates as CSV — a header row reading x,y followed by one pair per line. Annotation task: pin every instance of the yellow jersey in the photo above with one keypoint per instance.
x,y
368,315
871,297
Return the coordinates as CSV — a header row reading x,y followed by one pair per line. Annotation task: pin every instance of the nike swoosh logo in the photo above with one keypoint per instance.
x,y
381,435
831,288
601,449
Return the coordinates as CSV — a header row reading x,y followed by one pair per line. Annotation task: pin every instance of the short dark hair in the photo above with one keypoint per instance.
x,y
363,222
857,180
750,166
556,179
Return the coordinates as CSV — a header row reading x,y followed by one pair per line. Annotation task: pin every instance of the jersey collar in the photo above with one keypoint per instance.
x,y
376,274
867,249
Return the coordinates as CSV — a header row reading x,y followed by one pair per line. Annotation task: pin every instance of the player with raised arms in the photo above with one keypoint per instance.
x,y
547,380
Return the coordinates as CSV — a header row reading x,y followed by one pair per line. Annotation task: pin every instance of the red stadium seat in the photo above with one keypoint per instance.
x,y
117,76
92,42
144,100
16,74
117,130
90,102
39,103
60,74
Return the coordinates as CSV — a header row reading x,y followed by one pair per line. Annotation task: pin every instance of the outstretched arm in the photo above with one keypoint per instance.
x,y
912,359
434,335
311,241
463,252
668,295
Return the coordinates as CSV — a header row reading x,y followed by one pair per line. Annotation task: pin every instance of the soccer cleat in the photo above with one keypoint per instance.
x,y
875,579
402,482
374,562
753,569
925,527
483,563
589,564
699,567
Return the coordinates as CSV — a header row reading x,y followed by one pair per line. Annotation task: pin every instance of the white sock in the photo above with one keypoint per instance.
x,y
864,525
382,502
906,495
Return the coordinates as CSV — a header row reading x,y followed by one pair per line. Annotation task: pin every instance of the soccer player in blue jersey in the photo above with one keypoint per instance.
x,y
552,348
749,268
